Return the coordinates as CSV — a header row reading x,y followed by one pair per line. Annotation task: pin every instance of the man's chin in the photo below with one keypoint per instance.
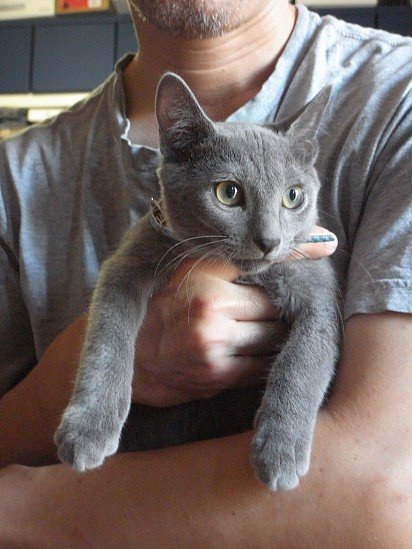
x,y
188,19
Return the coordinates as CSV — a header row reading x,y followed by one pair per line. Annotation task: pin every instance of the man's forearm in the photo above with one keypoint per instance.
x,y
357,493
203,494
30,412
199,495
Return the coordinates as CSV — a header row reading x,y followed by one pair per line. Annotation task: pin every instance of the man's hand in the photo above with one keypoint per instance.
x,y
204,333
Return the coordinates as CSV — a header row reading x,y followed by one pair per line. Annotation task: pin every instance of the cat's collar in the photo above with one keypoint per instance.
x,y
158,219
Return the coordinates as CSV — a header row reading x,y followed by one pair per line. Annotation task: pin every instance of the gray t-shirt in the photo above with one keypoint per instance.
x,y
71,186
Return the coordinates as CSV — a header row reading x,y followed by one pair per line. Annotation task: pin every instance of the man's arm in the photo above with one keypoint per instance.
x,y
357,492
31,411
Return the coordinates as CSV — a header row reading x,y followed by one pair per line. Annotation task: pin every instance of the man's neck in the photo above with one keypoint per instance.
x,y
224,72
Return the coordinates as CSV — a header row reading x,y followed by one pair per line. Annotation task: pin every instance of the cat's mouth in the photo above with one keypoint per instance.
x,y
250,264
247,259
254,266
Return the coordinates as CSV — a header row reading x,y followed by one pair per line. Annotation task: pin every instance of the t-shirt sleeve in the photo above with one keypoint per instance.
x,y
379,276
17,353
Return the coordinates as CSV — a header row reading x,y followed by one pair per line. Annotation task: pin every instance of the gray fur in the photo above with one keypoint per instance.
x,y
197,155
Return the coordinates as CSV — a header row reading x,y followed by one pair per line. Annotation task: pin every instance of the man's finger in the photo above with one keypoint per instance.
x,y
243,303
245,370
205,290
256,338
321,243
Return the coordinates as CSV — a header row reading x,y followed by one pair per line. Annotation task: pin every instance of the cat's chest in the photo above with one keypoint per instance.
x,y
272,275
291,286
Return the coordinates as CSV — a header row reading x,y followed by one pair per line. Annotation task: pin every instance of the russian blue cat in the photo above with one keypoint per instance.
x,y
227,190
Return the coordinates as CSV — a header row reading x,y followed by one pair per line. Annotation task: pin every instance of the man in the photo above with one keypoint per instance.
x,y
260,61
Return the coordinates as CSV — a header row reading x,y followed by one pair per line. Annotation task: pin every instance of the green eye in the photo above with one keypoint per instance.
x,y
293,197
229,193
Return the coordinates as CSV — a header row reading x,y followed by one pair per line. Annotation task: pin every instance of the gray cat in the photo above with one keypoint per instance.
x,y
233,191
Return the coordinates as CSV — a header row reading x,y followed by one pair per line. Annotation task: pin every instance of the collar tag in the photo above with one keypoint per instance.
x,y
158,219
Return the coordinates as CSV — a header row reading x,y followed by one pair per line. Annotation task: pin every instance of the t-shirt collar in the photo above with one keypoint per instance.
x,y
260,110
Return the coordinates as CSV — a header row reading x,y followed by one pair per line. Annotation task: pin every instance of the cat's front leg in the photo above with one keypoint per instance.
x,y
91,424
296,385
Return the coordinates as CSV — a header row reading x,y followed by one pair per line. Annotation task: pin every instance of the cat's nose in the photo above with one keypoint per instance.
x,y
267,245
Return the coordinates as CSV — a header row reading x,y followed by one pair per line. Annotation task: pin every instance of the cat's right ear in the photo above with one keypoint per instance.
x,y
182,122
304,125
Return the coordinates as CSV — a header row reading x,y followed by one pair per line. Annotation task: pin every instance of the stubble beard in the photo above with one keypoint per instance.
x,y
190,19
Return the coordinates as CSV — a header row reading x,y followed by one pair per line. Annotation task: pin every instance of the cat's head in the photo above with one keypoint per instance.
x,y
236,190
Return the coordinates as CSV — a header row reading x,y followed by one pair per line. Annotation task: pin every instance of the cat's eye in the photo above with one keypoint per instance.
x,y
293,197
229,193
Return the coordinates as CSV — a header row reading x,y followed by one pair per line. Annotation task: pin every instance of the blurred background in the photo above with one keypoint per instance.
x,y
53,52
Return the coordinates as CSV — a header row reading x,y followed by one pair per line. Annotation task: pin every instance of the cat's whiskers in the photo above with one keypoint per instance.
x,y
351,256
186,253
296,255
212,251
183,242
241,262
329,214
212,260
228,260
187,275
340,250
197,262
179,258
195,250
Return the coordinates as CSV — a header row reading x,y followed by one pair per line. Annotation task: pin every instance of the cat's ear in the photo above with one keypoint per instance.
x,y
303,126
182,122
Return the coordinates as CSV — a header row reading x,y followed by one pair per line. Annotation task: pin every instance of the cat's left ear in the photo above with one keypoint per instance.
x,y
304,125
182,122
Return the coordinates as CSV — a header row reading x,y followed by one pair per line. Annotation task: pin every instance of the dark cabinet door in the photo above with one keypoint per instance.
x,y
126,38
360,16
397,19
15,58
72,57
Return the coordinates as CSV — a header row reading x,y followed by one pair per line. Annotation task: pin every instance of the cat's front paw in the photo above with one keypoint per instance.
x,y
84,440
280,452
